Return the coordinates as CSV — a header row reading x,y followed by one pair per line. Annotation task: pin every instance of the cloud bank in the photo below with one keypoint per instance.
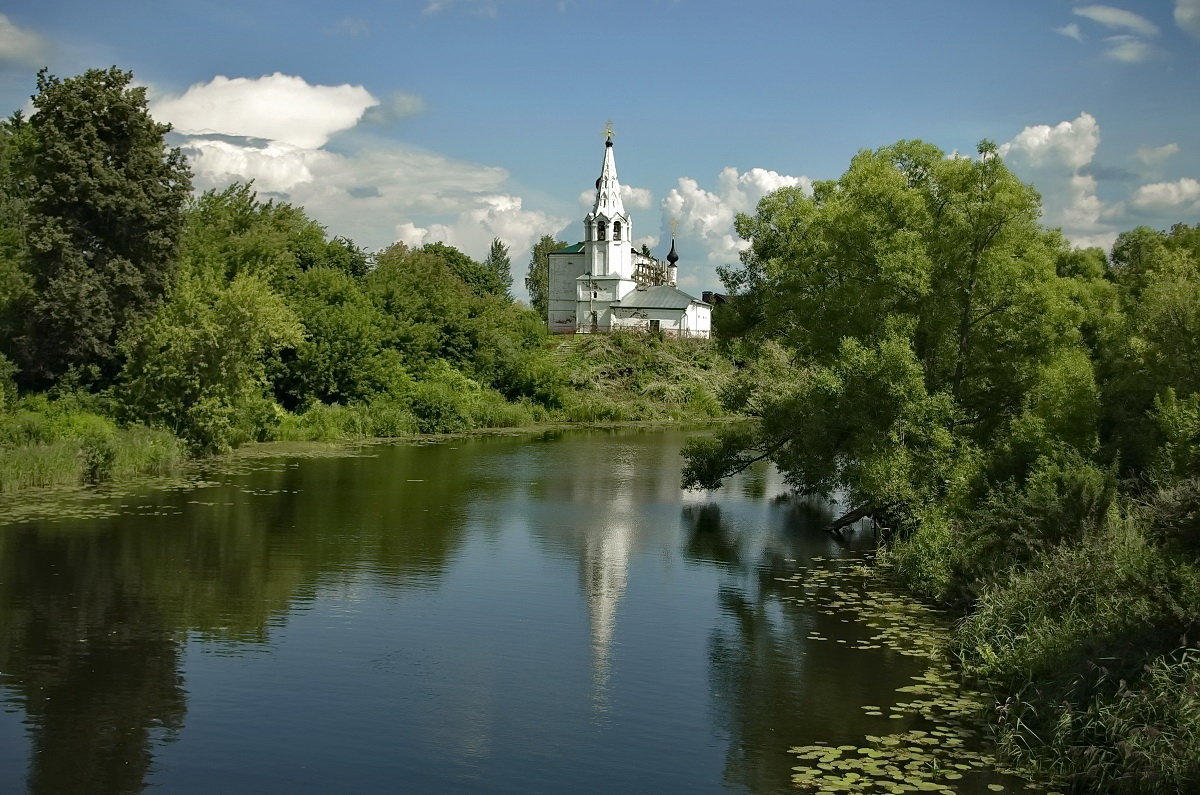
x,y
275,107
274,130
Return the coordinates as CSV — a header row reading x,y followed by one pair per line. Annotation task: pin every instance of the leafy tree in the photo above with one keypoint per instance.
x,y
479,277
14,252
342,253
537,282
231,233
918,297
342,358
197,366
104,199
498,264
1152,344
425,304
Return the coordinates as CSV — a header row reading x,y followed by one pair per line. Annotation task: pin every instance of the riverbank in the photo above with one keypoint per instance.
x,y
74,439
1088,647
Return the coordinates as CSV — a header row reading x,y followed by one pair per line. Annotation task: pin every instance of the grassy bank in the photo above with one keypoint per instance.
x,y
60,443
1088,636
71,439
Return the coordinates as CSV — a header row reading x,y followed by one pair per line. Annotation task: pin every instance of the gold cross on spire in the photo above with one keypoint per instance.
x,y
608,130
674,227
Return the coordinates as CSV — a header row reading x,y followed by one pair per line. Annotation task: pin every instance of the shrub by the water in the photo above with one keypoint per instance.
x,y
54,443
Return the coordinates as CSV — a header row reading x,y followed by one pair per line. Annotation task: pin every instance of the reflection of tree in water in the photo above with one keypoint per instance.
x,y
93,661
93,615
775,688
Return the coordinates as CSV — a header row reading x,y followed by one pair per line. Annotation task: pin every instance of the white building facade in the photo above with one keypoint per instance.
x,y
603,285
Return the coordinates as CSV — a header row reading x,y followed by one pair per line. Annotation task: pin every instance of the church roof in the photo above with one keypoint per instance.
x,y
662,296
575,249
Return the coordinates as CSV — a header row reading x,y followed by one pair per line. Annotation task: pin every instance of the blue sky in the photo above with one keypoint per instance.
x,y
461,120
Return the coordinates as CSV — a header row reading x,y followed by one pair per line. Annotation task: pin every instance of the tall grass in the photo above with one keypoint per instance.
x,y
42,444
1094,644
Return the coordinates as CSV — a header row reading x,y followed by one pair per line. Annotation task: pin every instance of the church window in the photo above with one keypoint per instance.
x,y
616,230
602,231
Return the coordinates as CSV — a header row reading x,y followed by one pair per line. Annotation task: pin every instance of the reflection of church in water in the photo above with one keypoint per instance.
x,y
607,541
604,570
604,284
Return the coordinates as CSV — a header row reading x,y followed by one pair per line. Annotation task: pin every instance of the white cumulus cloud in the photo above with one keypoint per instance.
x,y
704,219
274,129
1183,194
1070,144
21,46
1053,157
276,107
636,198
482,218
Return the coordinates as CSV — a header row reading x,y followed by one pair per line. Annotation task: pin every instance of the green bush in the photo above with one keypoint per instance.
x,y
440,408
1173,518
1115,598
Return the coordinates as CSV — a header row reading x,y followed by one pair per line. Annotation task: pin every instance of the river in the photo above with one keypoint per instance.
x,y
537,612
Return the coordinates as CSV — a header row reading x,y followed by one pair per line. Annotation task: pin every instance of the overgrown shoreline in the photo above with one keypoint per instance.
x,y
74,440
1024,419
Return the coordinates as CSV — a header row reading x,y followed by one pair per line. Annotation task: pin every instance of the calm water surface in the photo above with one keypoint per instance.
x,y
535,613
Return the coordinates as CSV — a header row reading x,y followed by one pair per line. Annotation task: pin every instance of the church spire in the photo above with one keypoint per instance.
x,y
608,189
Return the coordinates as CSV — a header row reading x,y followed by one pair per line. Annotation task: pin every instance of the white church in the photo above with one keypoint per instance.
x,y
603,285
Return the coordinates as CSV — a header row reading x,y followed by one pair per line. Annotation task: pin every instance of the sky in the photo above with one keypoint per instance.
x,y
465,120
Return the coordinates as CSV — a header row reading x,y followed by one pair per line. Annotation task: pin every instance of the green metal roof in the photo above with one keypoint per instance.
x,y
661,297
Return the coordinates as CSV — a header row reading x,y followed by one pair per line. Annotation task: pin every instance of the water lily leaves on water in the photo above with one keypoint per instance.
x,y
933,755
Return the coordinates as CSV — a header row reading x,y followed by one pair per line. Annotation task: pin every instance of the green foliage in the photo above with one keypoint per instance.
x,y
341,358
1173,518
231,233
103,200
59,443
537,279
918,297
484,279
1117,599
1093,642
633,376
196,367
1155,344
499,266
8,389
1178,422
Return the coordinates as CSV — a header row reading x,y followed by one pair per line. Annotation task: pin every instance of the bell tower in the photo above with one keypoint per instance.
x,y
607,229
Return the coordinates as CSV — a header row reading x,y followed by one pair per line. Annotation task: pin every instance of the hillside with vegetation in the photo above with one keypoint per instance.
x,y
141,325
1021,418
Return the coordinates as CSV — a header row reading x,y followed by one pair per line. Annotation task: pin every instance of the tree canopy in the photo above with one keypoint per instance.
x,y
916,303
103,200
537,281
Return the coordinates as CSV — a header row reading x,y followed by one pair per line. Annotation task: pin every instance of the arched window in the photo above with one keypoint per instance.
x,y
602,230
616,230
